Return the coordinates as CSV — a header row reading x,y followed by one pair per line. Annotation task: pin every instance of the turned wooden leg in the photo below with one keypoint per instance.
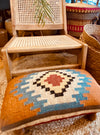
x,y
91,116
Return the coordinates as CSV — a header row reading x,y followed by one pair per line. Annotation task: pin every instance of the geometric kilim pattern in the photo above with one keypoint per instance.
x,y
49,95
54,81
53,90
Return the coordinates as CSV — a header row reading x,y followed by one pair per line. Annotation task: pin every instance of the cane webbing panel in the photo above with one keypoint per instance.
x,y
43,42
25,12
49,95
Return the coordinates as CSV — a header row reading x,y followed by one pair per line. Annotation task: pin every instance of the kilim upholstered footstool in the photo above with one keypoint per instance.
x,y
48,95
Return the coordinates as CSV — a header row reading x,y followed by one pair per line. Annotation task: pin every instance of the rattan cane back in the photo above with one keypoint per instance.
x,y
23,13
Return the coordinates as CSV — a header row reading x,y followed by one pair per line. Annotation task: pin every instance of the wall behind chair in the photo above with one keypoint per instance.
x,y
4,4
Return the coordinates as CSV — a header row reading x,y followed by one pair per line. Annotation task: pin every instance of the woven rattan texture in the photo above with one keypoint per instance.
x,y
79,14
82,8
93,63
24,13
49,95
89,30
93,56
45,41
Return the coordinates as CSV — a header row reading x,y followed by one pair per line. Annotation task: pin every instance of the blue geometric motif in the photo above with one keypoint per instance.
x,y
40,104
27,94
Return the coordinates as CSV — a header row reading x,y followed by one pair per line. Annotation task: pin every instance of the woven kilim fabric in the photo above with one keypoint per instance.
x,y
49,95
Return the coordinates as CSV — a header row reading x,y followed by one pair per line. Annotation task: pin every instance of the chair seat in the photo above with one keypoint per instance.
x,y
49,95
26,44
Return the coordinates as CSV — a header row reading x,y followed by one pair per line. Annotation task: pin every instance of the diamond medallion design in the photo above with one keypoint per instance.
x,y
54,82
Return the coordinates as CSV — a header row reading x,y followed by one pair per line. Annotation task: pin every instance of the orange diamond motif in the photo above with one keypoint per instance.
x,y
54,79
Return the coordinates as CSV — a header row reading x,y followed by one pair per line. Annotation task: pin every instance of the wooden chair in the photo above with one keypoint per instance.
x,y
23,19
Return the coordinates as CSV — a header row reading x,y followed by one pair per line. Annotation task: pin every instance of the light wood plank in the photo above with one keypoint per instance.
x,y
64,16
13,10
7,44
39,27
41,49
25,71
84,55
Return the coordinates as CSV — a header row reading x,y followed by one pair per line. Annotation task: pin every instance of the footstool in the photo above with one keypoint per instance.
x,y
46,96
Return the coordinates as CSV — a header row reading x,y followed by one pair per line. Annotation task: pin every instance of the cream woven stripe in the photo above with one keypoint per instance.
x,y
43,41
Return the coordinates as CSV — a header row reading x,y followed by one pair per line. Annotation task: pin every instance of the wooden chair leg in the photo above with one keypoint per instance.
x,y
7,65
91,116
